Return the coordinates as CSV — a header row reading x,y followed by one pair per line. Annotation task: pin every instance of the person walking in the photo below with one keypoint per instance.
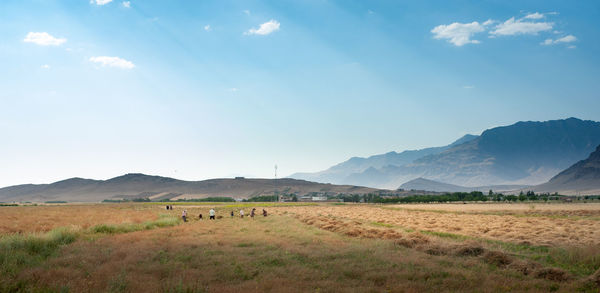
x,y
252,213
184,215
212,214
242,214
264,213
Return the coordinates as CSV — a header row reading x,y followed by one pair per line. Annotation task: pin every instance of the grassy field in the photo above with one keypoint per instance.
x,y
301,248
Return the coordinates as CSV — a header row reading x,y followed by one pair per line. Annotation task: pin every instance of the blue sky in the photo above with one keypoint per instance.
x,y
205,89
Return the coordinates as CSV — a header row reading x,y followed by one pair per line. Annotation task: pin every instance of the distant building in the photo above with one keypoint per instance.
x,y
319,198
305,198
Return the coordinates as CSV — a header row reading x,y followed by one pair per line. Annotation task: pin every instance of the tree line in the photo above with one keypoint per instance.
x,y
455,197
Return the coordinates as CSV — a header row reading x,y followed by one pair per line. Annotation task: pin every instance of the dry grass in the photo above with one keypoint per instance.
x,y
28,219
504,207
547,231
296,249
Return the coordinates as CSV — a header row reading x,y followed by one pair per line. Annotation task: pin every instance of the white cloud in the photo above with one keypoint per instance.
x,y
535,15
458,33
45,66
469,87
265,28
100,2
233,89
43,39
207,28
513,27
112,62
488,22
126,4
247,12
565,39
571,47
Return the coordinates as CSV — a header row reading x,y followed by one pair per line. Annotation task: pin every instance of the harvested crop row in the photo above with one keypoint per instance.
x,y
428,245
545,231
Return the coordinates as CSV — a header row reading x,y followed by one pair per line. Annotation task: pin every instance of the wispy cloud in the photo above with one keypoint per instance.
x,y
112,62
45,66
233,89
535,15
247,12
468,87
43,39
458,33
100,2
126,4
265,28
565,39
207,28
513,27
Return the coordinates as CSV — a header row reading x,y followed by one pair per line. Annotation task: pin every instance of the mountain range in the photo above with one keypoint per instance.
x,y
431,185
552,156
136,185
524,153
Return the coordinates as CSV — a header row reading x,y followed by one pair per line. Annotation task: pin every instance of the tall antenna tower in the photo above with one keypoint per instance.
x,y
275,171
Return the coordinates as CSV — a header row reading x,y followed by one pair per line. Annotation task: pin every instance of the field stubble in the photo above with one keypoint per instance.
x,y
351,248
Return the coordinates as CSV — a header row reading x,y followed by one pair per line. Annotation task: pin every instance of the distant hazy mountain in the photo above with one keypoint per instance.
x,y
431,185
581,178
525,153
156,187
361,167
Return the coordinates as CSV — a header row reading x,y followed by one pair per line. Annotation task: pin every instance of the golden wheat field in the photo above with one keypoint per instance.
x,y
301,248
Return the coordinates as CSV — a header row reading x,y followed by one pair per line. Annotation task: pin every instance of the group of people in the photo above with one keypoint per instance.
x,y
212,213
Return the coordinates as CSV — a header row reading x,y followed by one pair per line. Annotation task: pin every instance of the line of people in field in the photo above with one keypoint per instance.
x,y
212,214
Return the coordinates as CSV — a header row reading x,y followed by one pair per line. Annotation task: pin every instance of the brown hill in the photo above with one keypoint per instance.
x,y
156,187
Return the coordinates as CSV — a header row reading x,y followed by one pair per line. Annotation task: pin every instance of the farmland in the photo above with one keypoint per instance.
x,y
142,247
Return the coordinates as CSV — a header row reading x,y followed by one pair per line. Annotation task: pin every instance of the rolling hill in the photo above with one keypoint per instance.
x,y
156,187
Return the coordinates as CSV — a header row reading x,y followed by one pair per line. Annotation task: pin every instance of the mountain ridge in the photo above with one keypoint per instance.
x,y
523,153
436,186
582,177
342,173
134,185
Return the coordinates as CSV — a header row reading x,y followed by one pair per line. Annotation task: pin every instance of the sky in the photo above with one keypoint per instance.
x,y
208,89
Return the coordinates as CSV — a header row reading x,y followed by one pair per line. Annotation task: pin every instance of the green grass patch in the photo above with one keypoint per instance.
x,y
446,235
380,224
163,221
18,251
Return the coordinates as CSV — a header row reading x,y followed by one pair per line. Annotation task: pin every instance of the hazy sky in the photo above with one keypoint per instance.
x,y
204,89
